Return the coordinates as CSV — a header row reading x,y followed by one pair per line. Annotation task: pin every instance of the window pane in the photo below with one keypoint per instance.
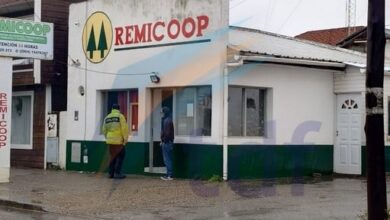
x,y
203,111
117,97
254,112
185,99
134,117
122,101
235,116
133,122
21,120
134,96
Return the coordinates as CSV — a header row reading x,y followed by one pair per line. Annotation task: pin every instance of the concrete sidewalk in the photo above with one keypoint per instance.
x,y
92,196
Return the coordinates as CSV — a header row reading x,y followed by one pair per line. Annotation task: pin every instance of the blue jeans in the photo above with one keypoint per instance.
x,y
167,149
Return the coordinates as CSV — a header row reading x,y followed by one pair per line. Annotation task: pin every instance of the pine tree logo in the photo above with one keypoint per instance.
x,y
91,47
97,37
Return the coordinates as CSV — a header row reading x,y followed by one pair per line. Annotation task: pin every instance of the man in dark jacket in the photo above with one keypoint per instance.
x,y
167,137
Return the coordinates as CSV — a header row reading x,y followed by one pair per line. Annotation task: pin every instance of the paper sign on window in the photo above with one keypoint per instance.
x,y
190,110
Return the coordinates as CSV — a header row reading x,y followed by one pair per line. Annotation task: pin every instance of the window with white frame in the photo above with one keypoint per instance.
x,y
128,102
22,120
193,111
246,111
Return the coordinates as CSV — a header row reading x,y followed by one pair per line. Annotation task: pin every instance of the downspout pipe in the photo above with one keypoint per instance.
x,y
225,115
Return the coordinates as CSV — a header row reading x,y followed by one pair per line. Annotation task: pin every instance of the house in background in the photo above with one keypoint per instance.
x,y
356,40
329,36
354,83
39,87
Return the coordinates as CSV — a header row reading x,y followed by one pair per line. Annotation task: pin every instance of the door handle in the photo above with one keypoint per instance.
x,y
337,133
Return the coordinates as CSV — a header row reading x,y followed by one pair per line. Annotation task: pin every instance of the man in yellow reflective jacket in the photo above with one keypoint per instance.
x,y
116,132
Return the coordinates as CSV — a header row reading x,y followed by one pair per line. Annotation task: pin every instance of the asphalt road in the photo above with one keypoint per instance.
x,y
7,213
72,195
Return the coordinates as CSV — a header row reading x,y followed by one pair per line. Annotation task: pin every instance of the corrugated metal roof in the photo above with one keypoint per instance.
x,y
248,53
307,42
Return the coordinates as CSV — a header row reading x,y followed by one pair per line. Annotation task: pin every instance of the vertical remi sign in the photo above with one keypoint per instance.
x,y
24,39
5,117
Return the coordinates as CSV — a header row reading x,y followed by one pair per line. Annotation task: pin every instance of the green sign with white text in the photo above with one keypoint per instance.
x,y
24,38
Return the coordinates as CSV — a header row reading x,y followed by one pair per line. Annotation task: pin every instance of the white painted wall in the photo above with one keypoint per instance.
x,y
37,63
62,140
298,95
387,52
47,110
5,115
195,64
386,99
350,81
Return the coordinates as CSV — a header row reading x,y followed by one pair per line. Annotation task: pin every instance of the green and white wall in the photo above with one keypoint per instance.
x,y
299,112
300,101
177,66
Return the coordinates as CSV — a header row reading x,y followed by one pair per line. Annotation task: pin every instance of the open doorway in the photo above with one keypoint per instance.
x,y
160,98
191,113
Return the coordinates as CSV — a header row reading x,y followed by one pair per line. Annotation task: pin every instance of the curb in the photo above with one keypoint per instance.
x,y
18,205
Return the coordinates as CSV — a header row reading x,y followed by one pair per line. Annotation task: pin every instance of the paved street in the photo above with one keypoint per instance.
x,y
72,195
8,213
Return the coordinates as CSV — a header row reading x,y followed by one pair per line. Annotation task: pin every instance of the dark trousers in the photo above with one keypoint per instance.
x,y
117,154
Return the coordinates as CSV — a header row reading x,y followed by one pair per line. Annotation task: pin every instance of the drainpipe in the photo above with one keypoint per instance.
x,y
225,115
225,119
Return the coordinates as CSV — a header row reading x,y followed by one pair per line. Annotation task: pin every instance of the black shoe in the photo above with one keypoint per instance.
x,y
119,176
110,176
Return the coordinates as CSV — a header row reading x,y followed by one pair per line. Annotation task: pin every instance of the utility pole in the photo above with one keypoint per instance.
x,y
350,18
376,180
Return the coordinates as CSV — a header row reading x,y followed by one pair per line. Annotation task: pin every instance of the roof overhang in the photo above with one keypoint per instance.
x,y
14,8
241,59
302,62
363,67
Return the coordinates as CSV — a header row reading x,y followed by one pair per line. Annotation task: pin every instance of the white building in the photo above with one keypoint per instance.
x,y
245,103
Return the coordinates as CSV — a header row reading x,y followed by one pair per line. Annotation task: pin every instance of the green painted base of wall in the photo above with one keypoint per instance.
x,y
248,162
197,161
364,159
98,157
190,161
203,161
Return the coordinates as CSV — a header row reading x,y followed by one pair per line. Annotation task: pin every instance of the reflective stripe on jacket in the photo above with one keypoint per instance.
x,y
115,128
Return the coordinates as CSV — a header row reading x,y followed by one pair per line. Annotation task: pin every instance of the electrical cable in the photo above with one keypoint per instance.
x,y
289,16
239,3
98,71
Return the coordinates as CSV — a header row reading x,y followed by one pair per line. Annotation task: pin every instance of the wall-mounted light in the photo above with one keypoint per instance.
x,y
75,62
81,90
154,78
